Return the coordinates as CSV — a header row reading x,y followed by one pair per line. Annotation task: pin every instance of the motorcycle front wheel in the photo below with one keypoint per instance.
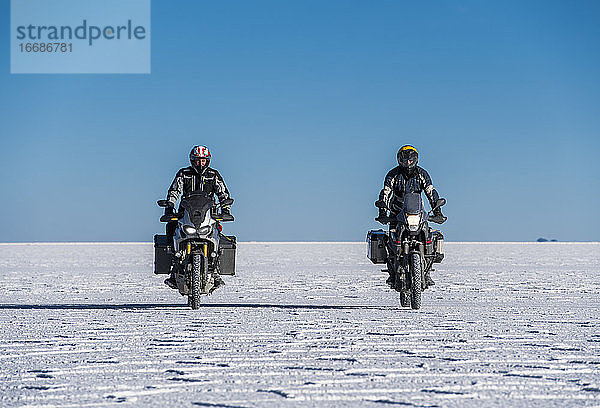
x,y
415,281
199,277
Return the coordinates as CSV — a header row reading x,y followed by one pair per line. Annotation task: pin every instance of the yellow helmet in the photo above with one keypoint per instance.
x,y
408,157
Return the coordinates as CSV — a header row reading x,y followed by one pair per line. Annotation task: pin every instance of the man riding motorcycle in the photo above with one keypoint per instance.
x,y
197,177
407,177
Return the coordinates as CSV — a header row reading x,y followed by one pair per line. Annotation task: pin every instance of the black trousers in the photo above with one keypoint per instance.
x,y
170,230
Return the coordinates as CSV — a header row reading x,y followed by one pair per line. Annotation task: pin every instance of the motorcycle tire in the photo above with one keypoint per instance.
x,y
198,280
416,276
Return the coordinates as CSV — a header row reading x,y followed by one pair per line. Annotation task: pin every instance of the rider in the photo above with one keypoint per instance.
x,y
407,177
197,177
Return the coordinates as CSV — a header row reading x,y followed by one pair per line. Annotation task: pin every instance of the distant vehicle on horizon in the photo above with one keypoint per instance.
x,y
541,239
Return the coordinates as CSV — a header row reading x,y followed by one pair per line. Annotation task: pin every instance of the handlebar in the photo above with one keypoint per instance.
x,y
167,203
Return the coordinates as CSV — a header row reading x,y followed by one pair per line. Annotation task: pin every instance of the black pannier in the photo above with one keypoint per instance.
x,y
376,246
437,240
162,255
227,247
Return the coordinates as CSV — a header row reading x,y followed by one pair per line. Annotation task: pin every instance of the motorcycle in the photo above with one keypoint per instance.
x,y
199,250
410,249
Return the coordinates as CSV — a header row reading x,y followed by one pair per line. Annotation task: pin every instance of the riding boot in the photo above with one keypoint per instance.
x,y
428,280
218,282
391,279
171,282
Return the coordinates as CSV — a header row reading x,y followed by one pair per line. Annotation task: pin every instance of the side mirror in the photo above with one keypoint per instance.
x,y
229,201
163,203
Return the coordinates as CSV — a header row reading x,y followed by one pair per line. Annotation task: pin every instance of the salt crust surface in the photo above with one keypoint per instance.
x,y
301,324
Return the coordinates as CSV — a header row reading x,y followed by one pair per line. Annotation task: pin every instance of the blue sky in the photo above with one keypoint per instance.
x,y
304,104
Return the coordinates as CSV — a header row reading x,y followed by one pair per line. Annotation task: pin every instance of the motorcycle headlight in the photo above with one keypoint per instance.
x,y
413,221
204,230
189,230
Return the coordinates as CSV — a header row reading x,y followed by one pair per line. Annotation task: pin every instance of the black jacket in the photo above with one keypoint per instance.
x,y
188,180
398,182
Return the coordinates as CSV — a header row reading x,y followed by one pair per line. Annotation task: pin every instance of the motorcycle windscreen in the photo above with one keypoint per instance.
x,y
197,204
412,203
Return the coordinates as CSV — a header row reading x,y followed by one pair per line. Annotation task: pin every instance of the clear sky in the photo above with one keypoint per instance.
x,y
304,105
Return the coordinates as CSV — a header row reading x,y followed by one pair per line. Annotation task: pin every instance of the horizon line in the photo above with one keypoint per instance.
x,y
278,242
